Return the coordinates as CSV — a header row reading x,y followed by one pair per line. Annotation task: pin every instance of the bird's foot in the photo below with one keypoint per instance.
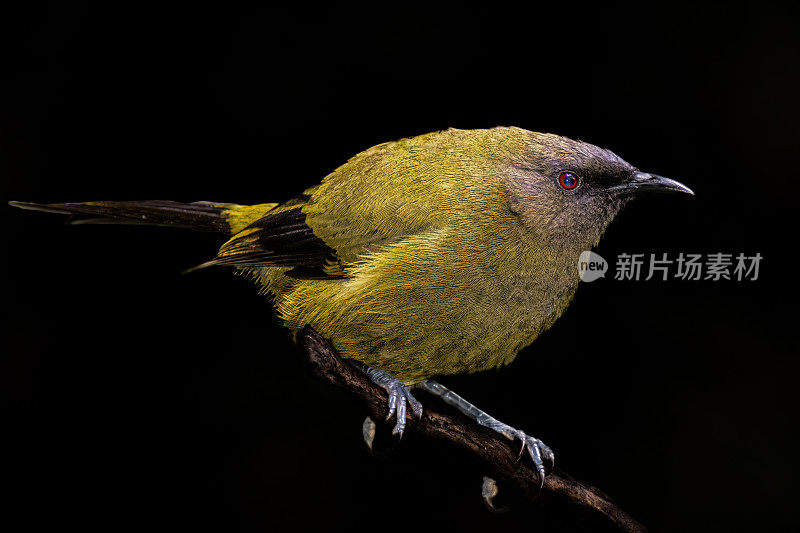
x,y
541,454
402,404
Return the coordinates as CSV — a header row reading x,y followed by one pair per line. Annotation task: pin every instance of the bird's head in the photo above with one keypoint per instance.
x,y
569,191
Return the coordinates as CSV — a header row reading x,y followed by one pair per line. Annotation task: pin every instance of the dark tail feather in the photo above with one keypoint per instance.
x,y
199,216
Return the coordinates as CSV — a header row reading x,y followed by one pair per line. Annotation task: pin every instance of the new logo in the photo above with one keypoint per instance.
x,y
591,266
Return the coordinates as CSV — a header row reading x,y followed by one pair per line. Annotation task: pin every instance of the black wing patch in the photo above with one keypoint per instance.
x,y
282,239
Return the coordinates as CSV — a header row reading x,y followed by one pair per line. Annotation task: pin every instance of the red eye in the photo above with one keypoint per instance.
x,y
568,180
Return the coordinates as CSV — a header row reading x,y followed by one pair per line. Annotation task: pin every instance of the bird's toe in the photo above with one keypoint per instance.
x,y
540,453
400,399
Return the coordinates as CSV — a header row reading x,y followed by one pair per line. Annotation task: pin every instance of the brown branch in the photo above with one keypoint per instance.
x,y
458,430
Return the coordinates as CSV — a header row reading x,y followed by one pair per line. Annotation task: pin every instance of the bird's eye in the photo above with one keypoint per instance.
x,y
568,180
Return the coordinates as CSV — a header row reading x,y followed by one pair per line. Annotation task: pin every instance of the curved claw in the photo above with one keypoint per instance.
x,y
489,492
541,454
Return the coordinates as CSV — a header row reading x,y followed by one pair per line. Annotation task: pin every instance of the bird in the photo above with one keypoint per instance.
x,y
443,253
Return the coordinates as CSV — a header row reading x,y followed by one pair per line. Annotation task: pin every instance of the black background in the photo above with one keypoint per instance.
x,y
142,398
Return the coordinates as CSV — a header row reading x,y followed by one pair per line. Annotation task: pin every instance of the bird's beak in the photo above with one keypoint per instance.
x,y
650,182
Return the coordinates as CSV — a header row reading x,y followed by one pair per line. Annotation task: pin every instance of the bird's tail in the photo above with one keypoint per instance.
x,y
198,216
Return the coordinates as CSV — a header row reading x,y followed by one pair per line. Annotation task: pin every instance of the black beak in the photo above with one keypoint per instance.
x,y
650,182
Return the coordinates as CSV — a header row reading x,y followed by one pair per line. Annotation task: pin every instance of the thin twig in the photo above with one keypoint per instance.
x,y
458,430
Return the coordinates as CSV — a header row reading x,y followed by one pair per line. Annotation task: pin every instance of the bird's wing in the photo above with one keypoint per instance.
x,y
287,237
381,196
279,238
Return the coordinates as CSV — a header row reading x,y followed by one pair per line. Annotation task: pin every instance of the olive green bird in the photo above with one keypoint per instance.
x,y
439,254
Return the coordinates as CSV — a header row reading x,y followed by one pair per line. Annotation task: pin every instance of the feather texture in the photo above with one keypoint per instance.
x,y
438,254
